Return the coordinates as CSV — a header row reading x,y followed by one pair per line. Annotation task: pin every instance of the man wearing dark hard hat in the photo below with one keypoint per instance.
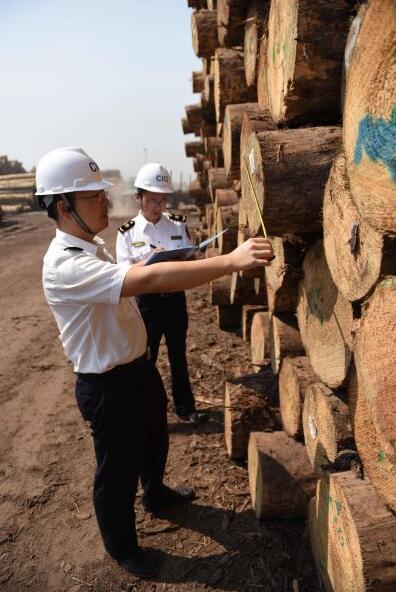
x,y
164,314
102,332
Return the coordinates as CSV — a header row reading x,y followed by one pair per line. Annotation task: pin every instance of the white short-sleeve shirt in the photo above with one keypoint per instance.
x,y
82,284
138,237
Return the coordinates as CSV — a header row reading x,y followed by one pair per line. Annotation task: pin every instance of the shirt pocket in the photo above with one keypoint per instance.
x,y
139,252
176,240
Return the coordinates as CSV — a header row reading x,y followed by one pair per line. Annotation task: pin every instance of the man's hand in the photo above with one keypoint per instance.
x,y
255,252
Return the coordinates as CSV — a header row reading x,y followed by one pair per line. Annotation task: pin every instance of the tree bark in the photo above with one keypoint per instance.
x,y
305,50
352,536
219,290
187,129
198,163
327,426
248,312
214,150
262,94
197,4
198,194
295,376
250,404
377,464
225,197
358,256
227,217
278,162
208,91
209,218
193,148
229,84
204,33
243,291
217,180
255,27
285,339
207,130
325,319
230,22
259,339
232,135
375,354
194,117
206,165
198,82
283,274
370,115
280,477
200,114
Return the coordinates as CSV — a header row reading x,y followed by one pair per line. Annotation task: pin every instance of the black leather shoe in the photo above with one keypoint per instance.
x,y
194,417
169,497
139,564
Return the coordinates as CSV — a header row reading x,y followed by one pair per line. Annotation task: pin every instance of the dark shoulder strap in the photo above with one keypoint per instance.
x,y
176,217
126,226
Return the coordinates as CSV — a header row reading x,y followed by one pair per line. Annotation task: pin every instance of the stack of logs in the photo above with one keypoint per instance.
x,y
297,119
17,191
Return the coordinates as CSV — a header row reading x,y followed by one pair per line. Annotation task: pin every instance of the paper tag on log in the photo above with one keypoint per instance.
x,y
312,428
251,161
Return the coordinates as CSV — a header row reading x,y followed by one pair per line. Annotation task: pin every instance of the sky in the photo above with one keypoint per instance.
x,y
111,76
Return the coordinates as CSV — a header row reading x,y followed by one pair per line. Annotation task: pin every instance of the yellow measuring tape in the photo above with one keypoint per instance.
x,y
256,200
257,204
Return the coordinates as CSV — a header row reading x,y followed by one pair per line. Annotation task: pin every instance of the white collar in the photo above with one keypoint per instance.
x,y
74,241
143,222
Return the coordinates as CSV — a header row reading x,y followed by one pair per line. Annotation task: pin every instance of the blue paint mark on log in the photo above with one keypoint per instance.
x,y
377,137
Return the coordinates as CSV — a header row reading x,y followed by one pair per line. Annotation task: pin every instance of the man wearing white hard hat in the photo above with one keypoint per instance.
x,y
102,332
164,314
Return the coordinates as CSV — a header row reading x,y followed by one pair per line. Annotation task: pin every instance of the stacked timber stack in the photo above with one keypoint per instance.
x,y
352,521
17,192
309,141
227,87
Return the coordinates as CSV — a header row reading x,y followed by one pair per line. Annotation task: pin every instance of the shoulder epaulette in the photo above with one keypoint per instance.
x,y
176,217
127,226
73,249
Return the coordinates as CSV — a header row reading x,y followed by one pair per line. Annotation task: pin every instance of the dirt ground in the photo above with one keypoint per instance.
x,y
49,539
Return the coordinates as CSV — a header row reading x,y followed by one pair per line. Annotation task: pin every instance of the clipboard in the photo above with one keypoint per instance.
x,y
183,253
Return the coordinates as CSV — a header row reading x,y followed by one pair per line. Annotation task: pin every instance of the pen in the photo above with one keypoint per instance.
x,y
153,246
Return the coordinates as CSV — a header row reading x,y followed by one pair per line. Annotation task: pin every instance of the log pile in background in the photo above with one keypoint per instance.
x,y
17,191
272,87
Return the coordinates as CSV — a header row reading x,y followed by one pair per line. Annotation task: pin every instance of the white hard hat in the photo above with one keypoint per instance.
x,y
154,177
68,169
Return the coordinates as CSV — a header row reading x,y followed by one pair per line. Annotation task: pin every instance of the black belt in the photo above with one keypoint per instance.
x,y
167,294
121,368
159,295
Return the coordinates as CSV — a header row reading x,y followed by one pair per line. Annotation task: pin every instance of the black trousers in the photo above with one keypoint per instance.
x,y
127,411
167,315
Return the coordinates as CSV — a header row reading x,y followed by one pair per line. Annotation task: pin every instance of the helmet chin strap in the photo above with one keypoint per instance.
x,y
76,217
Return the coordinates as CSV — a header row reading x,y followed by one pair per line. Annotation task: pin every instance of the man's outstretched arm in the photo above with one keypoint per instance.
x,y
177,276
